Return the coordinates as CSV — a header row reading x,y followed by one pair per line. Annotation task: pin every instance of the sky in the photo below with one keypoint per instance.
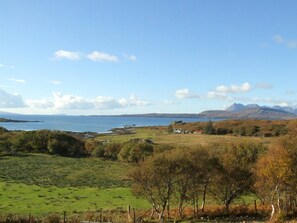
x,y
99,57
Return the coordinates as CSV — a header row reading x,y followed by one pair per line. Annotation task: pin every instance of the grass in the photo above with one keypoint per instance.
x,y
45,170
40,184
159,135
22,199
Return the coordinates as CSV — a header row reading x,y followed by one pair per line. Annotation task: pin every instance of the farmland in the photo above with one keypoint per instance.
x,y
36,181
40,184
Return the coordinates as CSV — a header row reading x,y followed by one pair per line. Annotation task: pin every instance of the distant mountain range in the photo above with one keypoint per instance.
x,y
234,111
251,111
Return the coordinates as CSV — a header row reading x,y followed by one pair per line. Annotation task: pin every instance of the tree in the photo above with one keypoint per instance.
x,y
194,169
98,151
276,174
209,128
135,152
112,150
154,179
91,144
180,174
65,145
234,175
170,129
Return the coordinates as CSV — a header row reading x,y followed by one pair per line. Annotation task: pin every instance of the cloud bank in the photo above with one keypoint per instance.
x,y
60,101
235,93
185,93
95,56
8,100
101,57
69,55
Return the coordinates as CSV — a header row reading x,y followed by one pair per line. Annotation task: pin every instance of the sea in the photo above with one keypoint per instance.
x,y
98,124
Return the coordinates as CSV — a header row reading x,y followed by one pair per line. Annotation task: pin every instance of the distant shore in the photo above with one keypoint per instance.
x,y
13,120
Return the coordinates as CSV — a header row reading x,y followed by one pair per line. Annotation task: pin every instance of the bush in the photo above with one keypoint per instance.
x,y
98,151
133,152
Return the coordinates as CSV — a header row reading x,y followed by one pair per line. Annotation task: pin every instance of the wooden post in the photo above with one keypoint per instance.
x,y
64,219
129,213
29,218
134,216
101,217
255,203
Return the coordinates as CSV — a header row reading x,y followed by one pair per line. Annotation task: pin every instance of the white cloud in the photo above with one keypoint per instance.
x,y
61,102
105,103
8,100
70,55
245,87
185,93
42,103
216,95
20,81
101,57
136,101
278,38
55,82
71,102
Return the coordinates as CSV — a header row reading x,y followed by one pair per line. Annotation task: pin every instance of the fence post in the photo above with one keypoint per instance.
x,y
134,216
101,218
29,218
129,213
64,219
255,203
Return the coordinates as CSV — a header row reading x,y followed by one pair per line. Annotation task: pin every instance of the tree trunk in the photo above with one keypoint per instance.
x,y
272,202
195,205
278,202
204,197
161,217
168,209
180,210
272,211
153,211
227,204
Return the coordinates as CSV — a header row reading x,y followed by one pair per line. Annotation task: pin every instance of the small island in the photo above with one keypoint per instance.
x,y
13,120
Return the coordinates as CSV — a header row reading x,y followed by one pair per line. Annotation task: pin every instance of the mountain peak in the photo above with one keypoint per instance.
x,y
235,107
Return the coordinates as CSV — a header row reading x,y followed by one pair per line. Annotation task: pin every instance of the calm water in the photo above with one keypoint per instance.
x,y
98,124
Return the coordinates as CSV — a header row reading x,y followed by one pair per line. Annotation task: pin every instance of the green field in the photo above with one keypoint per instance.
x,y
46,170
22,199
159,135
40,184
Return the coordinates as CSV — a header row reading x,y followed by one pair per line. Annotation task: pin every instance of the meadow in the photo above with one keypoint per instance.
x,y
159,135
40,184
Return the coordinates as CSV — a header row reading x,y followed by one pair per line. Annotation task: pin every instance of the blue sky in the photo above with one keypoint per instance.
x,y
124,57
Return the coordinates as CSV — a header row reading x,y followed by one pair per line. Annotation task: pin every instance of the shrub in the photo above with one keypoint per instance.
x,y
98,151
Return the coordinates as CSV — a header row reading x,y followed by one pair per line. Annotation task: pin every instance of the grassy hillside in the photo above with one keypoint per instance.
x,y
39,184
22,199
159,135
46,170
